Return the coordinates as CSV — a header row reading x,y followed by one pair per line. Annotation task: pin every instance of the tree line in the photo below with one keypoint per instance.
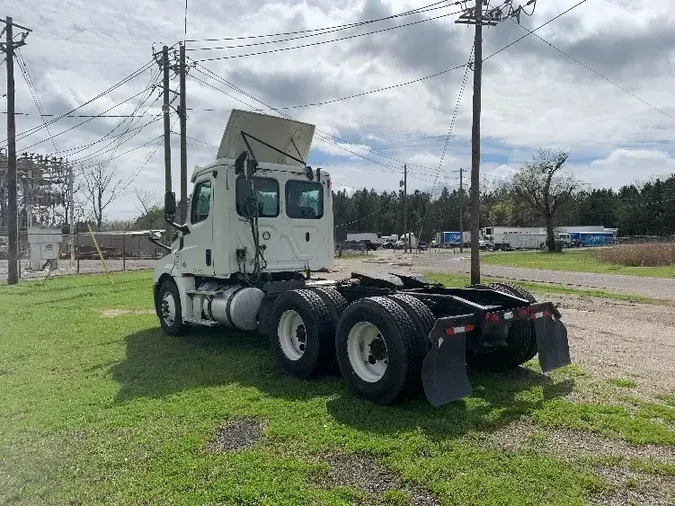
x,y
540,192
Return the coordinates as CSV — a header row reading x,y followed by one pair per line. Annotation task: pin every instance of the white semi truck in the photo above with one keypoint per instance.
x,y
260,226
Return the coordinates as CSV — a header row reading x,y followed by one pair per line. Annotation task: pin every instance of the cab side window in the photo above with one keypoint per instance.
x,y
304,200
201,202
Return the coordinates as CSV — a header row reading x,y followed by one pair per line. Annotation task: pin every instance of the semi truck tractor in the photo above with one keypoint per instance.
x,y
260,230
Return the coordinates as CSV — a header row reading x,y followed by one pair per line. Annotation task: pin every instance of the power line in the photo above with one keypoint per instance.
x,y
339,39
34,94
81,123
451,128
115,86
316,34
613,83
536,29
334,27
325,135
76,115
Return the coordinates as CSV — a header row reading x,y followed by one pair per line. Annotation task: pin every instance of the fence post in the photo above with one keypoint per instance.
x,y
77,250
124,251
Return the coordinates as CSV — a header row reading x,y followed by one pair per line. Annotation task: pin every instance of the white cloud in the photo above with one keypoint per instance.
x,y
532,97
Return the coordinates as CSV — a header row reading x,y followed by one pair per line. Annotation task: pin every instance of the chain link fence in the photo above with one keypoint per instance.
x,y
49,252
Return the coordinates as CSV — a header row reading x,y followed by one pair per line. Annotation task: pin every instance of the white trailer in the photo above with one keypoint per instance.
x,y
261,223
365,236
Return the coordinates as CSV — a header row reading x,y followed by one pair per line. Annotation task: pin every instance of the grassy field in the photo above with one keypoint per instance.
x,y
580,261
99,407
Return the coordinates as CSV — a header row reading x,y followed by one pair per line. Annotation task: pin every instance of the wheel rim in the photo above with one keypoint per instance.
x,y
367,352
292,334
168,308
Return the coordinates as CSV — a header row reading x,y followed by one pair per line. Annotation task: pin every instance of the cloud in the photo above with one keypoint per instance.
x,y
533,96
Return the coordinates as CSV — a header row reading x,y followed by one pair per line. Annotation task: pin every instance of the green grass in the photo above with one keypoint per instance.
x,y
623,382
461,280
108,410
580,261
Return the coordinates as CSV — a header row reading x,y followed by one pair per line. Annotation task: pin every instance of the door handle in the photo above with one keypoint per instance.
x,y
208,257
307,236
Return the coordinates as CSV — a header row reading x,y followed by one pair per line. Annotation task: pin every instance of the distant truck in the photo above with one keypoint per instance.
x,y
365,236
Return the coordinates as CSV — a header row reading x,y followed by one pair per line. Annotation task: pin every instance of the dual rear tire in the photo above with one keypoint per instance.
x,y
378,343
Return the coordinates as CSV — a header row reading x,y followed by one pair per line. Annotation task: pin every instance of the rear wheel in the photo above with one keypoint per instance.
x,y
378,350
521,342
302,334
336,304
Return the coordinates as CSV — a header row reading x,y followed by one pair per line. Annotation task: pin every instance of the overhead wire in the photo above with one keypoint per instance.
x,y
321,42
83,122
115,86
536,29
327,137
451,128
610,81
23,67
311,30
315,34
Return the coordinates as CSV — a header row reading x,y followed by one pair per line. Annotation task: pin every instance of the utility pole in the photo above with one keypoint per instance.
x,y
461,212
404,183
166,108
475,145
475,16
8,48
183,137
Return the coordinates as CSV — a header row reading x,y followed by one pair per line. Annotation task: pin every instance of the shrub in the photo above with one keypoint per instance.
x,y
638,255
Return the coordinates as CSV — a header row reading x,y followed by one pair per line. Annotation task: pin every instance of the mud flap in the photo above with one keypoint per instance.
x,y
444,376
552,344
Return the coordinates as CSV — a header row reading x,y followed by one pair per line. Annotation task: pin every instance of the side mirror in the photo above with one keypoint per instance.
x,y
239,164
169,204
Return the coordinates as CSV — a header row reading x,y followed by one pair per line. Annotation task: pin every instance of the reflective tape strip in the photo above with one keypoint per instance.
x,y
451,331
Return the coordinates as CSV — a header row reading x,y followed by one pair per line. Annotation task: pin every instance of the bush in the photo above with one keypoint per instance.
x,y
638,255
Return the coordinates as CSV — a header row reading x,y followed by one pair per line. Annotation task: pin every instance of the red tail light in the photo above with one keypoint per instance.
x,y
491,318
523,312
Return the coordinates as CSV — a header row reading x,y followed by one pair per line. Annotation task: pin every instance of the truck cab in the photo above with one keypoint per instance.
x,y
292,225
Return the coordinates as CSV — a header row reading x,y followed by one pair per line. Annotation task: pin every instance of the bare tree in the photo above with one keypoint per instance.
x,y
101,186
545,189
146,199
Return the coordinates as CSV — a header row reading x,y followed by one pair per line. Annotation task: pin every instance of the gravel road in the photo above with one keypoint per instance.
x,y
445,261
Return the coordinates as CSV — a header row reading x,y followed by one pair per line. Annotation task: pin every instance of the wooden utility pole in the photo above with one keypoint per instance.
x,y
461,212
166,108
8,48
406,241
475,145
475,16
183,138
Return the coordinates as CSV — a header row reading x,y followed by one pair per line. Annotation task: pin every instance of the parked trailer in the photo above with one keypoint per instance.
x,y
241,262
589,239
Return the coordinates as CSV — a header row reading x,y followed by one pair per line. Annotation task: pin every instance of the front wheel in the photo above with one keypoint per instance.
x,y
171,311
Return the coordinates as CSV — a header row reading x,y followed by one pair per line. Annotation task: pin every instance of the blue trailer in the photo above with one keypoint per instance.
x,y
589,239
450,238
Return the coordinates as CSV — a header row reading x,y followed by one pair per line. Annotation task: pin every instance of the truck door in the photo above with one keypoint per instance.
x,y
309,229
197,253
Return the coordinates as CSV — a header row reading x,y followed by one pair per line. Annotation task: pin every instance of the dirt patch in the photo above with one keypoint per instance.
x,y
573,444
630,488
237,435
112,313
368,476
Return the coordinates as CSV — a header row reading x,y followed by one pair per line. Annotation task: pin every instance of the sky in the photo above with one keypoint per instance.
x,y
533,95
